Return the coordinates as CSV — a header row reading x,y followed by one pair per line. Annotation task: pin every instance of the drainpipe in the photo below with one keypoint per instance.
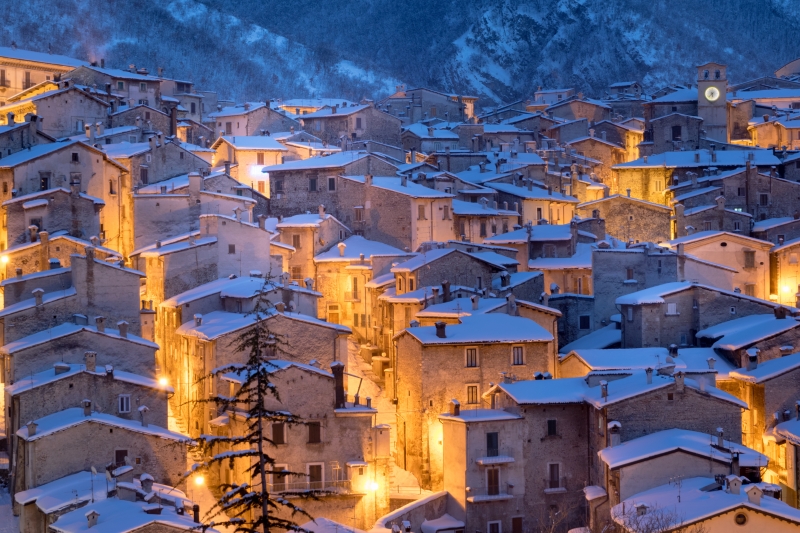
x,y
432,219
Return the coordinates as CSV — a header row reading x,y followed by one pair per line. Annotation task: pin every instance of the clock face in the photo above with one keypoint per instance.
x,y
712,93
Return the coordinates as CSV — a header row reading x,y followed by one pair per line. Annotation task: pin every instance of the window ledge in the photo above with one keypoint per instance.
x,y
672,314
630,282
555,491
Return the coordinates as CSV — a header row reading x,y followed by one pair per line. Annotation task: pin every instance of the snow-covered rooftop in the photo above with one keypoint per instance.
x,y
723,158
485,328
598,339
480,415
543,232
64,330
422,131
458,307
122,516
581,259
48,376
330,161
357,245
768,370
745,331
251,142
41,57
535,193
219,323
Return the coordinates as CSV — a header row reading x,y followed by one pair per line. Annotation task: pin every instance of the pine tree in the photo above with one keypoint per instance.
x,y
251,508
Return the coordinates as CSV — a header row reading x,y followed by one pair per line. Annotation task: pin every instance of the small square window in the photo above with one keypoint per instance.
x,y
76,157
124,403
670,396
585,322
552,428
231,248
331,184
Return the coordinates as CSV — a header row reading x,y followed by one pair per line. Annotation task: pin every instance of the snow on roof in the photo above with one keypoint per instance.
x,y
423,259
595,139
673,440
746,331
64,330
546,391
380,281
41,57
458,307
444,522
357,245
36,151
536,193
30,303
485,328
325,525
515,279
601,338
251,142
581,259
74,416
232,111
422,131
307,220
422,294
763,225
275,365
178,246
695,192
121,516
178,182
411,189
724,158
125,150
790,431
330,161
696,504
786,245
543,232
768,370
327,111
48,376
625,198
219,323
498,260
653,295
480,415
35,275
711,234
461,207
679,96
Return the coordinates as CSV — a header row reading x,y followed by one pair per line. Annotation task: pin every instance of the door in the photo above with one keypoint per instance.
x,y
493,481
315,477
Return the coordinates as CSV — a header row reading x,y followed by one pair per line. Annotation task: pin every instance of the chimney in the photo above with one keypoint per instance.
x,y
31,428
37,295
604,389
198,320
196,513
321,209
91,518
445,291
34,232
195,183
143,415
780,313
404,181
720,438
649,373
147,483
628,192
18,271
280,307
673,351
87,407
711,362
91,361
337,369
262,221
99,127
615,433
122,326
100,324
54,263
679,383
61,368
441,330
511,304
89,131
754,494
734,481
342,246
455,407
435,291
173,121
752,358
228,168
475,302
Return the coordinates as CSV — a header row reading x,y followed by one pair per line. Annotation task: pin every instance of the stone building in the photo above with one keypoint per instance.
x,y
250,118
143,116
630,219
22,69
711,217
131,86
626,135
536,203
437,363
309,235
336,125
251,153
422,103
746,341
19,136
427,139
578,107
674,132
608,152
60,113
338,448
777,230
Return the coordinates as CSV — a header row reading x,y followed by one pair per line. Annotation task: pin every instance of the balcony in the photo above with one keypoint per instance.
x,y
489,494
494,456
352,297
297,487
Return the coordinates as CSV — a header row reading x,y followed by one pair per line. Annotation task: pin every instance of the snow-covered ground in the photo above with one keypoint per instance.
x,y
8,522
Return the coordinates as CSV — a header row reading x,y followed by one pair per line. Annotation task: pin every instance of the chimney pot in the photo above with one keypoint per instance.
x,y
198,320
38,295
31,428
100,323
122,326
280,307
87,407
91,361
441,330
455,407
720,438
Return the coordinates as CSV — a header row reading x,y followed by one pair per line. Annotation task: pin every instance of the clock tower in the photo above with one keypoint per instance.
x,y
712,101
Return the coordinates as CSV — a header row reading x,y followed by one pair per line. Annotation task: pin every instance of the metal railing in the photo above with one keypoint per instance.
x,y
338,487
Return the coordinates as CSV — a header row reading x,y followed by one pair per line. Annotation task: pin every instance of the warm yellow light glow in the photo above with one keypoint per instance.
x,y
163,382
4,259
373,486
785,288
199,480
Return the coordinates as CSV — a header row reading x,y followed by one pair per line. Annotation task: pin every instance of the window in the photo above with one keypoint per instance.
x,y
278,186
676,133
516,524
538,213
659,186
472,357
331,184
517,355
312,184
749,289
120,457
296,241
143,87
628,273
193,108
297,272
733,310
124,403
763,200
147,115
315,476
143,177
420,212
707,225
792,259
111,189
259,158
492,444
27,84
228,128
279,480
740,191
737,226
483,229
231,248
278,433
261,187
472,394
672,308
314,433
355,287
549,250
358,123
552,428
584,322
359,214
433,111
493,487
446,213
630,314
749,259
496,526
553,479
410,284
437,146
76,157
44,181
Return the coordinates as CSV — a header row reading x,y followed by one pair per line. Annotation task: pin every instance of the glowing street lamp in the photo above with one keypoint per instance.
x,y
199,481
4,259
163,381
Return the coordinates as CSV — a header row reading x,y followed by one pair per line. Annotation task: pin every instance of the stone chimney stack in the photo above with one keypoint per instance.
x,y
441,330
337,369
615,433
87,407
100,323
38,295
122,326
455,407
91,361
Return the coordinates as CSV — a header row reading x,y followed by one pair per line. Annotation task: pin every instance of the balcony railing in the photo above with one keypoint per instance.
x,y
352,297
489,494
494,456
336,487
